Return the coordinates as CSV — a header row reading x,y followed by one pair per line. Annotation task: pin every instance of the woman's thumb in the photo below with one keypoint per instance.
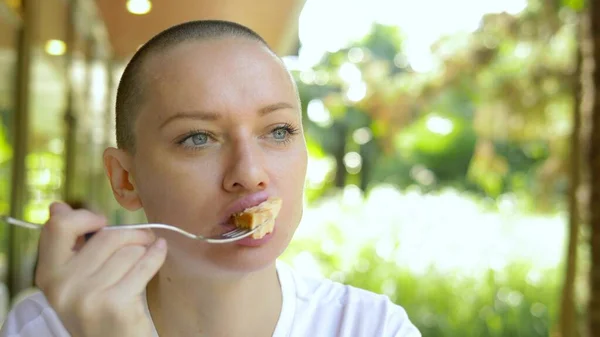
x,y
59,207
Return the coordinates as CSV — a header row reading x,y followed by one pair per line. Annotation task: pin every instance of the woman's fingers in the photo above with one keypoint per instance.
x,y
60,234
117,266
135,281
99,281
104,244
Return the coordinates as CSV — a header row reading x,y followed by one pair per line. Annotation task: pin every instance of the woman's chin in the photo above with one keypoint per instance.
x,y
243,257
249,255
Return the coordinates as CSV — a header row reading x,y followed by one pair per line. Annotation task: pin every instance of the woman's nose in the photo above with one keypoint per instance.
x,y
246,169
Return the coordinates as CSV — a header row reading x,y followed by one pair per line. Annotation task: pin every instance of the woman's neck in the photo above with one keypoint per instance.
x,y
184,305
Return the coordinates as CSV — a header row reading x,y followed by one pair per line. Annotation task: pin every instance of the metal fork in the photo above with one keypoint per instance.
x,y
231,236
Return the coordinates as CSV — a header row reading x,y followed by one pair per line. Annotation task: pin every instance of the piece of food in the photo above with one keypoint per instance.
x,y
266,212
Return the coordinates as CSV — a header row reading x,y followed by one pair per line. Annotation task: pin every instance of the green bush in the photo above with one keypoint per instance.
x,y
514,301
458,267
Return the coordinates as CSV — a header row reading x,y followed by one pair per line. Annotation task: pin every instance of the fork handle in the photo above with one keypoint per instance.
x,y
88,236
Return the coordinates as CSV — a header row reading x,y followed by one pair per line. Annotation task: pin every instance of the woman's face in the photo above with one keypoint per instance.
x,y
219,130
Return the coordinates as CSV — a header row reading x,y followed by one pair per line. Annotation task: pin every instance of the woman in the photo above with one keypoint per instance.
x,y
208,123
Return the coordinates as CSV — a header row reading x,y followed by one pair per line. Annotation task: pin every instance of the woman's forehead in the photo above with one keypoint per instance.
x,y
208,64
214,59
217,75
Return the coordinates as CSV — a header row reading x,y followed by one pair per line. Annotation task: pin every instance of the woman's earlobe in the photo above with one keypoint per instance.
x,y
117,165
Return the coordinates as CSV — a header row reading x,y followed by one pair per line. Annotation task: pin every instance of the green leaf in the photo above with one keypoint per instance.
x,y
314,148
576,5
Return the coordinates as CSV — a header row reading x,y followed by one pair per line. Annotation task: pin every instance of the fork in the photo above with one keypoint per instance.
x,y
231,236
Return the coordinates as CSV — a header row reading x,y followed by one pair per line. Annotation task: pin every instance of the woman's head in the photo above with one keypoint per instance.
x,y
208,121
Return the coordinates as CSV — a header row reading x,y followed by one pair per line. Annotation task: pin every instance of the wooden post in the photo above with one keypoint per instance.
x,y
18,195
69,116
568,315
594,169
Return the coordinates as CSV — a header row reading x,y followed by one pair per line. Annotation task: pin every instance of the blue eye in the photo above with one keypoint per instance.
x,y
199,139
283,134
280,133
195,140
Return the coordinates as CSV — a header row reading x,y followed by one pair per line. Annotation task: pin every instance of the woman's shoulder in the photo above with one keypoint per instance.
x,y
315,288
346,307
32,315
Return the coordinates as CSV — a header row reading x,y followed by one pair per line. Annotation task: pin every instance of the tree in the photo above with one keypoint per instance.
x,y
568,315
594,168
493,119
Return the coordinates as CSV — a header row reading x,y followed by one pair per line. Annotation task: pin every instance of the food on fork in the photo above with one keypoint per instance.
x,y
251,217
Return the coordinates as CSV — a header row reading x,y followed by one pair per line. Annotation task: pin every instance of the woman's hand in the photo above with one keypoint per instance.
x,y
96,288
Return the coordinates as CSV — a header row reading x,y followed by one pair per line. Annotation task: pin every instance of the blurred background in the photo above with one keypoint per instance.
x,y
454,145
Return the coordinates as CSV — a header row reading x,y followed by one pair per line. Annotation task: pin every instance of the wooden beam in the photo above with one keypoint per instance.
x,y
274,20
18,195
594,168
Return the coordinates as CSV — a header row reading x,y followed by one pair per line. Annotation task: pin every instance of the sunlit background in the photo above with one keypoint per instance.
x,y
438,134
451,228
436,143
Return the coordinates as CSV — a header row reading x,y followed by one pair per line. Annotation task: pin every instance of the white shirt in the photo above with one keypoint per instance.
x,y
311,307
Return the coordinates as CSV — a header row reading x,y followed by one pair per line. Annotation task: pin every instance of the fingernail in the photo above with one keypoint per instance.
x,y
161,243
56,207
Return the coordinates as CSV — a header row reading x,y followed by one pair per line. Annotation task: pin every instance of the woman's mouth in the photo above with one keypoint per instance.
x,y
239,205
252,242
255,214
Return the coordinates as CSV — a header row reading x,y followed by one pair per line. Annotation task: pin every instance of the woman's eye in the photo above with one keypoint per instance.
x,y
197,139
283,134
280,133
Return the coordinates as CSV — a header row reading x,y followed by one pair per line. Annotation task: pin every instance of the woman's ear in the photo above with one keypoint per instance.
x,y
117,165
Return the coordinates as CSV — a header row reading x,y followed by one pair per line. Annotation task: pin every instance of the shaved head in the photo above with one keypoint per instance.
x,y
131,89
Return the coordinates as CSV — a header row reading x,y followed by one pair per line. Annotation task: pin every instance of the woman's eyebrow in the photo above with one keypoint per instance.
x,y
213,116
274,107
199,115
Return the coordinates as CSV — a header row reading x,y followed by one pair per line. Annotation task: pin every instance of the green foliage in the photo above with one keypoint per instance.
x,y
444,151
506,90
577,5
512,302
384,42
6,153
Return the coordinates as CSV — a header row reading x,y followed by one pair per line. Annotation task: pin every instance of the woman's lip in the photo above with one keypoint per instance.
x,y
251,242
241,204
